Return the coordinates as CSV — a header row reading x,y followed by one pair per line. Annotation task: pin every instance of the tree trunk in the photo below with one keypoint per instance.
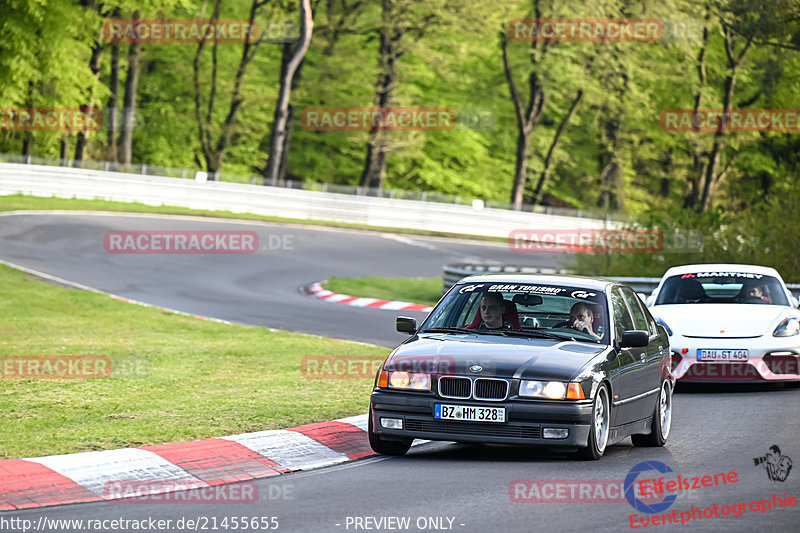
x,y
27,144
94,65
113,101
292,60
537,199
64,152
612,182
129,109
666,166
374,173
527,118
712,178
692,199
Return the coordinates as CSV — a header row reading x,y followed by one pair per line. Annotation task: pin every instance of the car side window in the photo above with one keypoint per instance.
x,y
622,317
651,322
469,310
635,304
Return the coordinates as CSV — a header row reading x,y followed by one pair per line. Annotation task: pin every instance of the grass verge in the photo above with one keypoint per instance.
x,y
416,290
182,378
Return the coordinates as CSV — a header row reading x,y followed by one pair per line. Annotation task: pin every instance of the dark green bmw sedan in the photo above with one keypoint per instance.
x,y
569,363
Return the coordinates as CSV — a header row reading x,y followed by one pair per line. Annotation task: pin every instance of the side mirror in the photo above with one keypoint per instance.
x,y
405,324
650,300
635,339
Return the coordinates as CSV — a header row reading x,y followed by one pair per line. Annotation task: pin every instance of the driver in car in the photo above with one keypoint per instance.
x,y
757,291
580,319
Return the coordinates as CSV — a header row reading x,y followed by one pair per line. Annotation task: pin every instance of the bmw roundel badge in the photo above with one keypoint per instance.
x,y
475,368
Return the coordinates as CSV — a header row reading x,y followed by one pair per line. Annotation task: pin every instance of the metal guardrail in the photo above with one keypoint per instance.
x,y
66,182
190,174
452,273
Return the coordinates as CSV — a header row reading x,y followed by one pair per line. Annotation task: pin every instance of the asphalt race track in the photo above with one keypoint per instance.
x,y
437,486
258,289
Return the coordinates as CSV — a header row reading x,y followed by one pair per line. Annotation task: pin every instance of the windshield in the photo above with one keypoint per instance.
x,y
534,310
722,287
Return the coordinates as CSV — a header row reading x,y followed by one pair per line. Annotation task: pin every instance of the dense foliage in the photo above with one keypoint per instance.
x,y
590,111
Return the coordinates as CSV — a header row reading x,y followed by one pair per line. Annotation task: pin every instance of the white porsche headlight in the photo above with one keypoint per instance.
x,y
788,328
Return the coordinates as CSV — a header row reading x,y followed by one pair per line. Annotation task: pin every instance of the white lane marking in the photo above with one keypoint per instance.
x,y
407,240
94,470
362,302
289,448
359,421
396,306
335,297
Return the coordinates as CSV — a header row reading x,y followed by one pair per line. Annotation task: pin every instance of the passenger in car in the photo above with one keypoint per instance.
x,y
580,319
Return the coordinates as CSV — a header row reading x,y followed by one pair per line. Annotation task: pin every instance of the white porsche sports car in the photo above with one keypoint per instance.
x,y
729,322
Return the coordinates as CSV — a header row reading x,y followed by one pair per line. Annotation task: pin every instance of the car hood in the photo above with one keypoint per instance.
x,y
721,320
524,358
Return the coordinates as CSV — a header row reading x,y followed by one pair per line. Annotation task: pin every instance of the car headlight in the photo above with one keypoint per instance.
x,y
409,380
789,327
552,390
666,327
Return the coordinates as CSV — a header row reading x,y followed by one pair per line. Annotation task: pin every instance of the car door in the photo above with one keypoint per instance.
x,y
628,366
653,354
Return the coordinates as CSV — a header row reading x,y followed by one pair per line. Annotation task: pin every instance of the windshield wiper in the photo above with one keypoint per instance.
x,y
537,333
449,330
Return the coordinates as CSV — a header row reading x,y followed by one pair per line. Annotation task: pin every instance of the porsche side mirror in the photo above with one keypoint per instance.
x,y
405,324
635,339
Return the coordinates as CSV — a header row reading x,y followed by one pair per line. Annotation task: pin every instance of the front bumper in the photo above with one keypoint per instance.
x,y
524,424
762,364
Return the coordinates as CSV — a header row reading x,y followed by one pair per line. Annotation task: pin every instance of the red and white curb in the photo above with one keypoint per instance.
x,y
84,477
315,289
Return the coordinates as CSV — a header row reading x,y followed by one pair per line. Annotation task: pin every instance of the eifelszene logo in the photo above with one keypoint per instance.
x,y
777,466
637,503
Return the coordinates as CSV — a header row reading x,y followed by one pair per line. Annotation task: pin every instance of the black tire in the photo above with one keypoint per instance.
x,y
600,427
662,420
386,447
